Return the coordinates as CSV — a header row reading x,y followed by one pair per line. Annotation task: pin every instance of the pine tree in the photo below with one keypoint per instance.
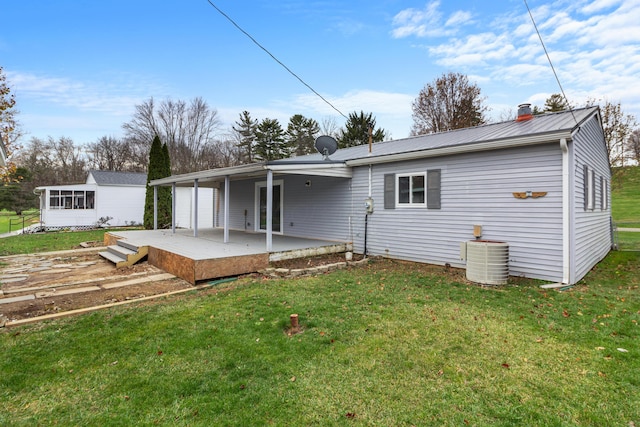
x,y
301,134
159,167
356,131
270,141
246,130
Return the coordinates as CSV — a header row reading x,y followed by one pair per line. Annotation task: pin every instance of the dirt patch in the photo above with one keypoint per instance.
x,y
313,261
47,283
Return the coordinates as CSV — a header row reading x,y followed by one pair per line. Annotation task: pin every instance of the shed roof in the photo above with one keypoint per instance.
x,y
118,178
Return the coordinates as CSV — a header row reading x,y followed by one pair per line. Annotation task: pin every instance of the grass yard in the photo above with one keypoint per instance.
x,y
7,216
625,196
388,344
47,242
629,241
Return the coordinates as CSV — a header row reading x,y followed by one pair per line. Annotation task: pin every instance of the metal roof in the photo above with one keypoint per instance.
x,y
503,133
119,178
542,128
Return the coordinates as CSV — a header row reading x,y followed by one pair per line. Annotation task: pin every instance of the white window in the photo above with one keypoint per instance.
x,y
604,191
411,189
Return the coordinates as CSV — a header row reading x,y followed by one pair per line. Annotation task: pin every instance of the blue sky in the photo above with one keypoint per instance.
x,y
78,68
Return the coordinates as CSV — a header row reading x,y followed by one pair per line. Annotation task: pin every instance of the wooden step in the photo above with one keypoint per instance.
x,y
125,254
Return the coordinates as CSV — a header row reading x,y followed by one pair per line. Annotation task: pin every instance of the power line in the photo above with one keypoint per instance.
x,y
549,59
275,59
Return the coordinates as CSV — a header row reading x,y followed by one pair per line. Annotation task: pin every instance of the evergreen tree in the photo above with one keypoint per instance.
x,y
246,130
17,195
554,103
356,131
301,134
159,167
270,141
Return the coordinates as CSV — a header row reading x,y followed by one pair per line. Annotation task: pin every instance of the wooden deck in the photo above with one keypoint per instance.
x,y
207,256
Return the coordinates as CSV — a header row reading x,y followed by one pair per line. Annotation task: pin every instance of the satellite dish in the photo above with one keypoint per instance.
x,y
326,146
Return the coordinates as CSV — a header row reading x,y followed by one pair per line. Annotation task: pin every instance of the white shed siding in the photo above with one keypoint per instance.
x,y
124,204
592,232
67,217
475,189
185,207
320,210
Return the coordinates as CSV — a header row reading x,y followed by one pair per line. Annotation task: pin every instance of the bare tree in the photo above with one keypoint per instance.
x,y
9,127
112,154
187,129
450,102
617,127
53,161
329,126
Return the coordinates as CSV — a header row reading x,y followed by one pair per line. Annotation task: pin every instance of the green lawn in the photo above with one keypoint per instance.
x,y
625,196
7,216
388,344
47,242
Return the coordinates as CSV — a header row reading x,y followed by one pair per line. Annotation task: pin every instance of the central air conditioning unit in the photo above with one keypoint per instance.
x,y
487,262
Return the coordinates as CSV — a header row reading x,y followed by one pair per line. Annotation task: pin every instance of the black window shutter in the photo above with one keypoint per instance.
x,y
593,190
602,192
433,189
389,191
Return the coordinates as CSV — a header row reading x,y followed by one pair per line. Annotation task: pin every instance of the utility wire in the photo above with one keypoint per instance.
x,y
274,58
549,59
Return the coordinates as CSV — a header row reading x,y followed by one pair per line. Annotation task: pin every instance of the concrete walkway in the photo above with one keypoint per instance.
x,y
21,231
634,230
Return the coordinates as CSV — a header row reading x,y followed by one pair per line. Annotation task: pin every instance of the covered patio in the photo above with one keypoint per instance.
x,y
208,256
254,222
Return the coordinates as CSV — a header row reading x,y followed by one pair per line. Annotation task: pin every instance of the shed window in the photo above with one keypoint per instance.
x,y
604,191
68,199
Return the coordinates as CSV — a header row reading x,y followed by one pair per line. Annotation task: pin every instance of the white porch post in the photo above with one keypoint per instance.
x,y
269,210
173,208
195,208
155,207
226,208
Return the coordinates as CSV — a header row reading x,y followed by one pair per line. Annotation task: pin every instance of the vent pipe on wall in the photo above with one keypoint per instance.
x,y
524,113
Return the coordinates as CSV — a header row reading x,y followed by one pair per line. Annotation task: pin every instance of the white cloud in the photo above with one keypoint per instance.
x,y
428,22
116,98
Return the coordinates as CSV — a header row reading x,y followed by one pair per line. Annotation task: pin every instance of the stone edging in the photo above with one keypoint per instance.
x,y
311,271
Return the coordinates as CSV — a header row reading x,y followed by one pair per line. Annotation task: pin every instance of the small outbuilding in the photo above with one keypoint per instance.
x,y
115,199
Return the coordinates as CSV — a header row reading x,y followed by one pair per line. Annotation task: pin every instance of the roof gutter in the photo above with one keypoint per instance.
x,y
463,148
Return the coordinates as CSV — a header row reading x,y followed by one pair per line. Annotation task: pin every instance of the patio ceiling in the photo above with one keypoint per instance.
x,y
213,177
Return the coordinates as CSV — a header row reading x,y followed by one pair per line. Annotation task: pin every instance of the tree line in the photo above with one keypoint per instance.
x,y
195,140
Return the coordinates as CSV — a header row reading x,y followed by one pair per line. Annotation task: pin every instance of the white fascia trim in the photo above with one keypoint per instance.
x,y
464,148
339,170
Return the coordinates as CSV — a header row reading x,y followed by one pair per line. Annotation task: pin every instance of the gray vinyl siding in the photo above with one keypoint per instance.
x,y
320,210
475,189
591,240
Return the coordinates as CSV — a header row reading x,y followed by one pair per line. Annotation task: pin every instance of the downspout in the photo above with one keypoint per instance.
x,y
566,211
